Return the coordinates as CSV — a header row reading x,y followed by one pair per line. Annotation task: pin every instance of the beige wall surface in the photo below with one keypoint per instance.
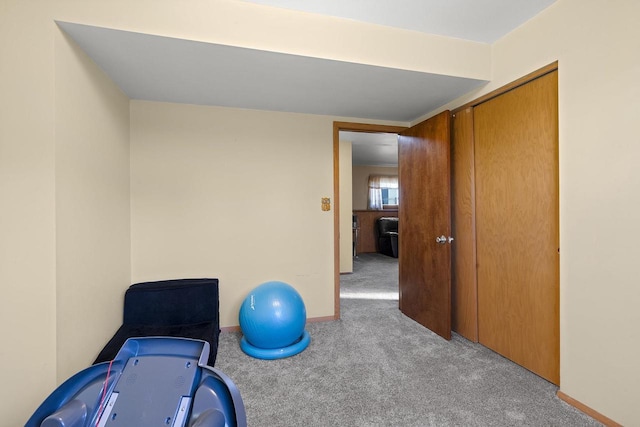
x,y
63,176
346,199
92,206
27,222
361,182
596,44
233,194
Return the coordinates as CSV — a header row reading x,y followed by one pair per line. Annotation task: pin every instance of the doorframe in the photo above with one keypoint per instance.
x,y
353,127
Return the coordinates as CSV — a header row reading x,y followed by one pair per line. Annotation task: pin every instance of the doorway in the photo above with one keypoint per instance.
x,y
423,239
351,127
368,216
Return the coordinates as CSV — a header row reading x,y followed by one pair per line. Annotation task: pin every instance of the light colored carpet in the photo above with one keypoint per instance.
x,y
376,367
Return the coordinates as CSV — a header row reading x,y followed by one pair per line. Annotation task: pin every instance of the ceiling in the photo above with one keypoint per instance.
x,y
479,20
156,68
372,149
167,69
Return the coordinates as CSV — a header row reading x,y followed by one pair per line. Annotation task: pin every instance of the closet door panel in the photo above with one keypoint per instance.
x,y
464,288
516,161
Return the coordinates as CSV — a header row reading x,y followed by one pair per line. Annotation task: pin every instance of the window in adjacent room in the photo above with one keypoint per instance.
x,y
389,197
383,192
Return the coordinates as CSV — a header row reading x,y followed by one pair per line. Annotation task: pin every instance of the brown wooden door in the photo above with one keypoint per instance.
x,y
516,158
424,214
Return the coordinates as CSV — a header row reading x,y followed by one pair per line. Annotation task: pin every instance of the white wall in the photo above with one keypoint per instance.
x,y
361,182
596,43
92,207
346,211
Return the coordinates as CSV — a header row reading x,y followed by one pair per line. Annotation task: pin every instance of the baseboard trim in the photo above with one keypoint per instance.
x,y
587,410
310,320
322,319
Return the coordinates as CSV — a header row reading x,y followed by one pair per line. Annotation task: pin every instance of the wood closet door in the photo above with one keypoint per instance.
x,y
464,287
516,158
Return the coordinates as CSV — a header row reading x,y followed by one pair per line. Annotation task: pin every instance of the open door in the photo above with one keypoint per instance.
x,y
425,223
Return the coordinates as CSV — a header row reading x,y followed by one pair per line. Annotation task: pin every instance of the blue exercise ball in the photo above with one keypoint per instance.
x,y
273,316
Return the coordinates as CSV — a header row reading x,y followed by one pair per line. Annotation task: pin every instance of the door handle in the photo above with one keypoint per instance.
x,y
443,239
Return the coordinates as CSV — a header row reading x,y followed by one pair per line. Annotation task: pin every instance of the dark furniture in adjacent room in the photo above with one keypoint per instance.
x,y
367,241
388,236
186,308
